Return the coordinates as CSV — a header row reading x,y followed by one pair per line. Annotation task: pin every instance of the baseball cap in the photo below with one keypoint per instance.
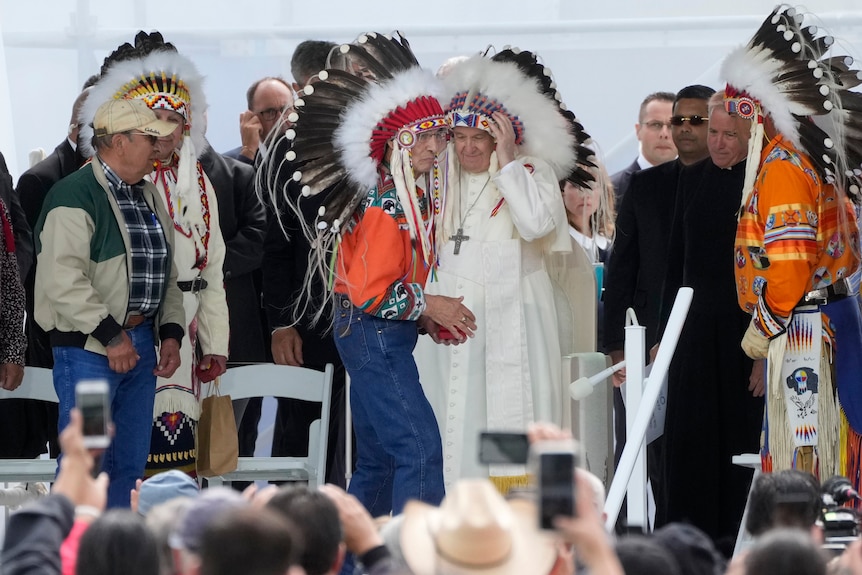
x,y
117,116
164,487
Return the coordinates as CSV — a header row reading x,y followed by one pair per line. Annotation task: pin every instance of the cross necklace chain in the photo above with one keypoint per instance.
x,y
459,237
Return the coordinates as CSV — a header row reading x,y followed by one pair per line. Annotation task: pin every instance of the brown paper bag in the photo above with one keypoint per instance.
x,y
217,444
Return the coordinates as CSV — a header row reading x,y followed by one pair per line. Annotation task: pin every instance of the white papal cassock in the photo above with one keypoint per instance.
x,y
508,375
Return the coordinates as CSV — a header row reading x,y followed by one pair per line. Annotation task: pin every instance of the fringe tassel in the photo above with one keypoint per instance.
x,y
173,400
505,483
330,279
755,147
765,456
405,187
828,420
780,441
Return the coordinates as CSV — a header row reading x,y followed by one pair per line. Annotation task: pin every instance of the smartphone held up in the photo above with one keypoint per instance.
x,y
553,464
92,398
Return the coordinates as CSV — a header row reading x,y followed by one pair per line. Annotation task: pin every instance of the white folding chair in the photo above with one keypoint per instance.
x,y
38,384
282,381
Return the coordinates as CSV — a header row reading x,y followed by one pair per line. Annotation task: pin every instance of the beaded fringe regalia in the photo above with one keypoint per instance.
x,y
792,73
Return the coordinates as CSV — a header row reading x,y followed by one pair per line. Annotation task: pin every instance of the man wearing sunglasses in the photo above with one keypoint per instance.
x,y
710,378
689,126
636,270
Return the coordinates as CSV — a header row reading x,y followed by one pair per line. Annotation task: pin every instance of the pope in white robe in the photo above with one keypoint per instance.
x,y
503,215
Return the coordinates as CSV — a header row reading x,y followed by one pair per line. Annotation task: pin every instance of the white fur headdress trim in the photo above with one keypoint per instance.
x,y
547,134
353,137
115,85
752,70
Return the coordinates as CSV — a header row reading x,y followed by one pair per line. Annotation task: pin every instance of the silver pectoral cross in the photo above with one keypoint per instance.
x,y
459,237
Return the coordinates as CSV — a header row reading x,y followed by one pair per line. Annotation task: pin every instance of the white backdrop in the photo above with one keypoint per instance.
x,y
606,56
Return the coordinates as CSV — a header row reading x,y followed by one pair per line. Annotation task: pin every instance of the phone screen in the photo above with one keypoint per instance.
x,y
92,408
91,398
502,448
556,487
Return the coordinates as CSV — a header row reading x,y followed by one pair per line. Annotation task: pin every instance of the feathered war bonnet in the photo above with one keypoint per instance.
x,y
480,86
153,71
517,84
343,123
787,71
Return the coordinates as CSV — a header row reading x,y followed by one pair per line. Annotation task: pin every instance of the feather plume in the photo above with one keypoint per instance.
x,y
154,65
342,123
790,70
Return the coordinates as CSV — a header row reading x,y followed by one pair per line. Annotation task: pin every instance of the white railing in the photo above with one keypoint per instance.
x,y
641,396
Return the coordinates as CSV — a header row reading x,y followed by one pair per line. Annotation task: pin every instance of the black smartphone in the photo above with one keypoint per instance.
x,y
92,397
503,448
555,474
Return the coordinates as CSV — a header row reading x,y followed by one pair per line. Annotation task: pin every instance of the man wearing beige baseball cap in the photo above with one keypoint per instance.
x,y
106,289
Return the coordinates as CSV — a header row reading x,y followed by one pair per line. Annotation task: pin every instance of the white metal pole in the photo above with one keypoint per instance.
x,y
635,351
650,395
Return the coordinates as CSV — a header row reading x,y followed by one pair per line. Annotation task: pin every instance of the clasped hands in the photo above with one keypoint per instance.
x,y
449,313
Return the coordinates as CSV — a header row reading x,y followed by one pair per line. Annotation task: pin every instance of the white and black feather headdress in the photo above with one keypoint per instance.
x,y
343,122
373,93
530,64
790,72
525,92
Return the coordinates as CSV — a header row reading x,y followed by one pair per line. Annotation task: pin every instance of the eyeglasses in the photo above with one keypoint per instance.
x,y
150,137
656,126
436,135
270,114
693,120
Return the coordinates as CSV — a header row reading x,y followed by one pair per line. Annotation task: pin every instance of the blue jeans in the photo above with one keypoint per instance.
x,y
399,454
132,397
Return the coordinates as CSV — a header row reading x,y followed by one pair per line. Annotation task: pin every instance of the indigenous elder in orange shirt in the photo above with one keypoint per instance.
x,y
797,243
378,165
794,236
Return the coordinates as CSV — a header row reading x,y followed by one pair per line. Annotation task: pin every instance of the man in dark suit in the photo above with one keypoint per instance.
x,y
714,395
299,343
637,265
653,133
